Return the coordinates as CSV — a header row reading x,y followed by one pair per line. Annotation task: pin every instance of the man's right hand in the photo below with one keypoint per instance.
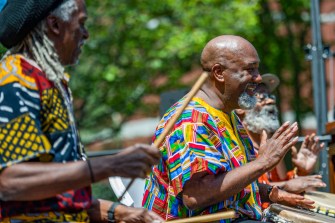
x,y
289,199
275,148
135,161
124,214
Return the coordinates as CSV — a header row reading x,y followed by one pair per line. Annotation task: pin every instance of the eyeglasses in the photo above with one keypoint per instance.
x,y
263,96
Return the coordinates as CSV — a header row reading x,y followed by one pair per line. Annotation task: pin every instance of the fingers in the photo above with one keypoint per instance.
x,y
281,130
294,152
305,203
314,181
290,132
151,217
131,166
150,150
295,200
264,137
290,143
142,153
313,143
310,140
322,145
317,147
286,135
155,217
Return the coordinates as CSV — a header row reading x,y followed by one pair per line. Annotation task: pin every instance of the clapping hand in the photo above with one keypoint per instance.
x,y
306,158
274,149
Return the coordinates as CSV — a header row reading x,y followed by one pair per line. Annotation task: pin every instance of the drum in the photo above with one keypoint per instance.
x,y
284,214
324,202
133,197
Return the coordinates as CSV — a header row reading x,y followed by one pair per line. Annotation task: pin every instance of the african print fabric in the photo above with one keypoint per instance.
x,y
204,139
34,126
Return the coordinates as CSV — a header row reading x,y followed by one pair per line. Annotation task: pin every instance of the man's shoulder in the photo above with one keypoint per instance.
x,y
194,114
18,69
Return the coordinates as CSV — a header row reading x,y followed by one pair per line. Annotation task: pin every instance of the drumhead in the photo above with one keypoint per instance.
x,y
298,215
324,202
323,199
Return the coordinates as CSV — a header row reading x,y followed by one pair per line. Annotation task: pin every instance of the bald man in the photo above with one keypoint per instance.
x,y
208,162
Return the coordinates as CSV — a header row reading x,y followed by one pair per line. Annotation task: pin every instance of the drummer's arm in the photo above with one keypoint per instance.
x,y
281,170
280,184
221,186
30,181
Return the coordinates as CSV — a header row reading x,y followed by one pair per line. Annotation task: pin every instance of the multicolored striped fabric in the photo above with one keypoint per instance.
x,y
204,139
34,126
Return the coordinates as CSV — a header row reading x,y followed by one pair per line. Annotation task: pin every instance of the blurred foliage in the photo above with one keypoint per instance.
x,y
284,31
134,42
103,190
2,50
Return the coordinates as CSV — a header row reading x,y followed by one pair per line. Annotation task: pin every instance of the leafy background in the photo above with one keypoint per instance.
x,y
135,43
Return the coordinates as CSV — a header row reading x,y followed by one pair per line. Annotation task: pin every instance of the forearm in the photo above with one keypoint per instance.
x,y
281,184
263,192
281,170
33,181
220,187
98,210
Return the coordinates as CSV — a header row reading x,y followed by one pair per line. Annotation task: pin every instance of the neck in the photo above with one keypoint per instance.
x,y
212,96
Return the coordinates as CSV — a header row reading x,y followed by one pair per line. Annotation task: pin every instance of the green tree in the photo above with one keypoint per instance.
x,y
132,42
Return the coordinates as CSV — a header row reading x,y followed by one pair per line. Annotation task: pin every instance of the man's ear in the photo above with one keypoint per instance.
x,y
52,23
218,72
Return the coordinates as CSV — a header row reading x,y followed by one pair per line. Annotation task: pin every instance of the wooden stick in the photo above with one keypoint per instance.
x,y
173,120
207,218
180,110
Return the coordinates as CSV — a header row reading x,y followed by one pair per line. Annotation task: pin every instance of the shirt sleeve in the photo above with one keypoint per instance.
x,y
21,137
192,148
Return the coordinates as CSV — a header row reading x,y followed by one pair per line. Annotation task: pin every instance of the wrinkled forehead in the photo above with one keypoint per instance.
x,y
250,55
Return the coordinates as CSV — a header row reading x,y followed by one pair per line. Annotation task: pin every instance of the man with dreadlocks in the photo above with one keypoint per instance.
x,y
44,173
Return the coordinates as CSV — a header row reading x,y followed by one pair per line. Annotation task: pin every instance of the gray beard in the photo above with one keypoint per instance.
x,y
247,102
265,119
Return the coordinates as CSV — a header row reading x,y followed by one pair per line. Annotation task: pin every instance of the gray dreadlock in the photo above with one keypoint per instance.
x,y
40,48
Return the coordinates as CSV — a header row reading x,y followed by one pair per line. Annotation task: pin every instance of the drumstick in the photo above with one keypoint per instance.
x,y
207,218
175,117
172,121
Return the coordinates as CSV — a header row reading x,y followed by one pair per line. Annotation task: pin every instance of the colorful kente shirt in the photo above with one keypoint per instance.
x,y
204,139
34,126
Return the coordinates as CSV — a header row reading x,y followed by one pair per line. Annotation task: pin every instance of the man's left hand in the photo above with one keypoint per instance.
x,y
303,183
307,156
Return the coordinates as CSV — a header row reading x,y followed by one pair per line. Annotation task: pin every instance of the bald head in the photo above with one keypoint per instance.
x,y
224,48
